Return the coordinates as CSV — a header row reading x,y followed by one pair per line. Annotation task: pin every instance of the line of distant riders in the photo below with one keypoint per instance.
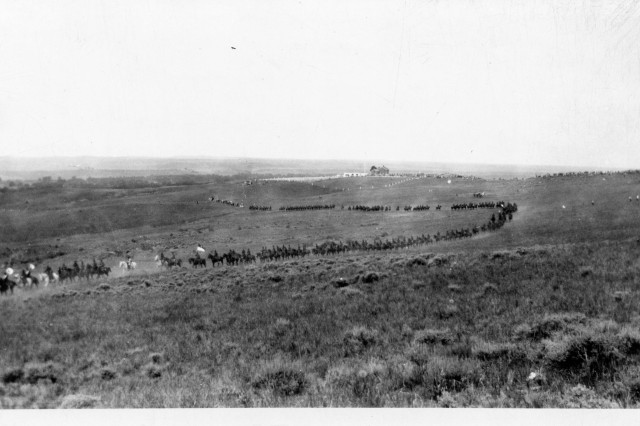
x,y
233,258
362,208
29,278
378,208
472,206
276,253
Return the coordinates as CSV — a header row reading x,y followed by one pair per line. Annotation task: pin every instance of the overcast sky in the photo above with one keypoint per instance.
x,y
515,82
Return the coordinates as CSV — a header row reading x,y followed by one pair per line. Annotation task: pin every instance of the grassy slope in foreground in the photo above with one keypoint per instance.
x,y
445,330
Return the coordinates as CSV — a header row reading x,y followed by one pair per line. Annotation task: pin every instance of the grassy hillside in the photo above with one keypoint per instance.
x,y
176,217
456,323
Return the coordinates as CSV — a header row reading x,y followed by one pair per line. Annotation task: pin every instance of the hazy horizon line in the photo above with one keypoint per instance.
x,y
375,161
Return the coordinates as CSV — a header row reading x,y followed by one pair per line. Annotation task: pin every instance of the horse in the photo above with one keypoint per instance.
x,y
215,258
27,279
6,284
44,278
170,263
125,265
232,258
65,274
198,261
52,276
104,270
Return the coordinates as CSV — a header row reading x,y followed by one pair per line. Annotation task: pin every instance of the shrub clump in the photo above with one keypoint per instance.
x,y
581,396
107,373
153,371
588,357
438,260
416,261
549,325
34,372
13,375
358,339
370,277
629,341
340,282
282,378
156,357
585,271
634,390
433,336
449,374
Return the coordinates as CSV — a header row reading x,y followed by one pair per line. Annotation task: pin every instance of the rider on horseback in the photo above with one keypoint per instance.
x,y
199,250
129,259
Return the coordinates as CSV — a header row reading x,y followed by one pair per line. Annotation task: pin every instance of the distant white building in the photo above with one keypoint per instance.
x,y
354,174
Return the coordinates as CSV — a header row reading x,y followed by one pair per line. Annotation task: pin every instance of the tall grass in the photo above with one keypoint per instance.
x,y
234,338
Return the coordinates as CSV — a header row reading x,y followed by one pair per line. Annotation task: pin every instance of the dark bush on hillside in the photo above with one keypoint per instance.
x,y
586,271
504,254
153,370
634,390
629,342
340,282
589,357
431,336
416,261
107,373
549,325
156,357
370,277
35,372
12,376
358,339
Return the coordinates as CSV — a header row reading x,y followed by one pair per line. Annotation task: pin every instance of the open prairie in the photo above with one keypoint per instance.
x,y
392,307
